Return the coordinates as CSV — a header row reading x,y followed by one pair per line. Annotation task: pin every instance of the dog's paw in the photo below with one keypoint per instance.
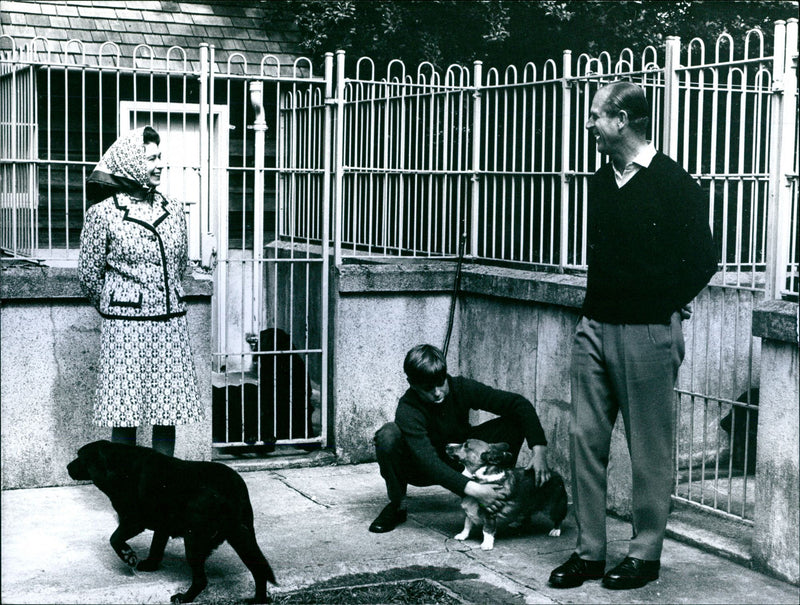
x,y
178,598
487,545
259,599
148,565
128,556
461,536
555,532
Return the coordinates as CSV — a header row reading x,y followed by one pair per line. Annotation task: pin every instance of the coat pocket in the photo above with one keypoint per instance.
x,y
125,301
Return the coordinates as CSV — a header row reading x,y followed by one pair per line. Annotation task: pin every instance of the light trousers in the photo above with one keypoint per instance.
x,y
630,369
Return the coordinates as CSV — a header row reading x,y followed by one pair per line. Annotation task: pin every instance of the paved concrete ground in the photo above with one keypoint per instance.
x,y
312,526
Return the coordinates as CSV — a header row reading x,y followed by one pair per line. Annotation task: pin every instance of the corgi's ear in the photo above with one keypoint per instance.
x,y
497,457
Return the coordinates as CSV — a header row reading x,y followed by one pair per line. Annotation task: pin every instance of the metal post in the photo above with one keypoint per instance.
x,y
260,129
475,195
565,173
204,207
669,143
782,144
339,170
326,234
207,242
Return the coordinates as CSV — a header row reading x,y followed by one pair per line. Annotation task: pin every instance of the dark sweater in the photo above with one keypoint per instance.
x,y
650,248
428,428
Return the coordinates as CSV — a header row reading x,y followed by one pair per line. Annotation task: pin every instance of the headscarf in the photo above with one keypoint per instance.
x,y
122,169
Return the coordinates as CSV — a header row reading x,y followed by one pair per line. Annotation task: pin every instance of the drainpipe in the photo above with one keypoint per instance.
x,y
326,235
260,128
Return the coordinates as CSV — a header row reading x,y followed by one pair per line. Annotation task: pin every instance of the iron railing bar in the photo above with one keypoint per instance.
x,y
716,511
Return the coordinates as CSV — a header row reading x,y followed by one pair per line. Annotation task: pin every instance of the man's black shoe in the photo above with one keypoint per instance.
x,y
390,517
576,571
631,573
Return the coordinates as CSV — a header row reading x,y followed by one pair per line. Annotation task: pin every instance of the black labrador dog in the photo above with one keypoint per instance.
x,y
206,503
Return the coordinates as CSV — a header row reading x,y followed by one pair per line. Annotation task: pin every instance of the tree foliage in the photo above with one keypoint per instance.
x,y
514,32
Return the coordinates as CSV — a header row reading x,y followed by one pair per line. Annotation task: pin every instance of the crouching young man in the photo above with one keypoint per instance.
x,y
433,412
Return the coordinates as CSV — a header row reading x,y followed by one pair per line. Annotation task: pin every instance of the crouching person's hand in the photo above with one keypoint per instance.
x,y
488,495
538,463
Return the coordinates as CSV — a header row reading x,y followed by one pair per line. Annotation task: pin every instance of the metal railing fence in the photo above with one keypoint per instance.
x,y
421,158
506,154
272,158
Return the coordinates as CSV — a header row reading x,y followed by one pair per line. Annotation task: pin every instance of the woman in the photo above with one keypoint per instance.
x,y
132,257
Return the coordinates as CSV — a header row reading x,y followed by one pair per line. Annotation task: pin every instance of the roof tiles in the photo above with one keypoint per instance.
x,y
239,27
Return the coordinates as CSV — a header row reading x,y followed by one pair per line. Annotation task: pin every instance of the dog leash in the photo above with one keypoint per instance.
x,y
456,286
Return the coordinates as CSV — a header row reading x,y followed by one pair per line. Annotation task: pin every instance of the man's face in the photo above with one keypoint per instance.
x,y
431,393
603,126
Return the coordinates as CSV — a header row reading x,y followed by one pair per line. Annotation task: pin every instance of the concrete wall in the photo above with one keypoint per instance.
x,y
48,360
776,536
514,329
378,315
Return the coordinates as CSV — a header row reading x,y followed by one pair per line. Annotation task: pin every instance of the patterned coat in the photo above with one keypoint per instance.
x,y
133,256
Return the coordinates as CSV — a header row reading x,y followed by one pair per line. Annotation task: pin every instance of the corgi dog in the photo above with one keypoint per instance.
x,y
491,463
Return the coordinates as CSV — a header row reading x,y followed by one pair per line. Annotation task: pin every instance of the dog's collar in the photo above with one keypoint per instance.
x,y
482,475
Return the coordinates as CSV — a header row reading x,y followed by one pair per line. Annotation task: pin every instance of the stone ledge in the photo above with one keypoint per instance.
x,y
560,289
776,320
518,284
396,277
30,281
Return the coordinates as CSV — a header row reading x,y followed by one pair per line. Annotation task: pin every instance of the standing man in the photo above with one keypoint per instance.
x,y
650,253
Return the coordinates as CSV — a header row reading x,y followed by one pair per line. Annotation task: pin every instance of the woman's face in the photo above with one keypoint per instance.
x,y
153,163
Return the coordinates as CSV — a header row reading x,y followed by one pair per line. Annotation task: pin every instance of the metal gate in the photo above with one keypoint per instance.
x,y
247,152
271,263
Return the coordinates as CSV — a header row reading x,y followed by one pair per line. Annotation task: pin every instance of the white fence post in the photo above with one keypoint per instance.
x,y
783,131
476,157
669,144
326,233
338,144
566,174
204,208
